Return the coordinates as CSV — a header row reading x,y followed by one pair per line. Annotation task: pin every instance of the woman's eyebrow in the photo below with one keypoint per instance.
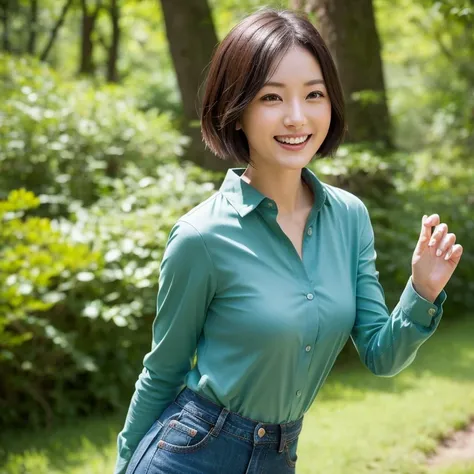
x,y
279,84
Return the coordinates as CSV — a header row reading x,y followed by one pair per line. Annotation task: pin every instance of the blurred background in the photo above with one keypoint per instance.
x,y
101,153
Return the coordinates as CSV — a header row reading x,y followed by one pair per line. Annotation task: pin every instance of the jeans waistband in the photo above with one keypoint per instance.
x,y
252,430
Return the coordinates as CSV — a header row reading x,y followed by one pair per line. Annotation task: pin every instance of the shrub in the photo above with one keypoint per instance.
x,y
59,139
33,257
96,327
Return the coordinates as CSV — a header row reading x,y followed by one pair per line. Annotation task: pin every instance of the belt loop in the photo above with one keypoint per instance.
x,y
281,447
220,422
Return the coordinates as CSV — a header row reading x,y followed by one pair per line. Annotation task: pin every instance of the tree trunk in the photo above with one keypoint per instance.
x,y
87,65
6,45
55,30
113,50
192,39
31,47
348,27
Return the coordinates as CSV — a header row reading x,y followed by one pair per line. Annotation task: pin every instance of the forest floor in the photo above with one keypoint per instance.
x,y
458,446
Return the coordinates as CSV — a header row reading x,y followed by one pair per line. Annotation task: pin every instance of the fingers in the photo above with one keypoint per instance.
x,y
425,234
454,253
438,235
441,242
426,224
446,243
432,220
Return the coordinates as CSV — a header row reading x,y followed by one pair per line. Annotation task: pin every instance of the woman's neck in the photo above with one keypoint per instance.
x,y
286,188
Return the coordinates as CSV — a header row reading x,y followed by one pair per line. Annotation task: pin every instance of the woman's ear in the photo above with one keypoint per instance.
x,y
237,125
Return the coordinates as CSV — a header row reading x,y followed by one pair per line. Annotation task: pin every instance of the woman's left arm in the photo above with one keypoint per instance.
x,y
387,343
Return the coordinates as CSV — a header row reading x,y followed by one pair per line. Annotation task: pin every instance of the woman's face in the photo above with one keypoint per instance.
x,y
296,107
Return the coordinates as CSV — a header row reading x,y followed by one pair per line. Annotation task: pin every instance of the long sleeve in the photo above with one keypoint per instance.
x,y
187,285
388,343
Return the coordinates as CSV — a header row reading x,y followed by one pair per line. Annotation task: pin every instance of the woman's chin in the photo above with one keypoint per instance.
x,y
294,162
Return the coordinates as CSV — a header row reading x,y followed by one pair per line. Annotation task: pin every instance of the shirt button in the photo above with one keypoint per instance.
x,y
298,393
307,348
261,432
310,296
431,311
310,231
270,204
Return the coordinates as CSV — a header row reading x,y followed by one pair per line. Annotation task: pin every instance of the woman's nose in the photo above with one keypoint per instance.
x,y
295,115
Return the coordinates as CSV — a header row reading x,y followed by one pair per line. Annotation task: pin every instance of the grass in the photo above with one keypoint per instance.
x,y
358,424
458,468
85,447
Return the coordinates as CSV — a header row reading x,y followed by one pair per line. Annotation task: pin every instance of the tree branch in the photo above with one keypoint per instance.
x,y
102,41
55,30
31,47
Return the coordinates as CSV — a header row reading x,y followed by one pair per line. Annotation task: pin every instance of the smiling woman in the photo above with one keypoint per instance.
x,y
268,278
292,59
297,106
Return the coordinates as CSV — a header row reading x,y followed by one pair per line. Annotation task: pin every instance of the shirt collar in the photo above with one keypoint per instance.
x,y
245,198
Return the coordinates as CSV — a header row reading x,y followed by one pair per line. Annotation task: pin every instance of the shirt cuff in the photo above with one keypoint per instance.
x,y
417,308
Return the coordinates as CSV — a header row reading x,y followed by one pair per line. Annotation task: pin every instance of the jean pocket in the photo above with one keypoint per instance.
x,y
143,446
185,433
291,447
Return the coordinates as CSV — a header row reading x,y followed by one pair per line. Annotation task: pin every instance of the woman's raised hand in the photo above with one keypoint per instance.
x,y
435,258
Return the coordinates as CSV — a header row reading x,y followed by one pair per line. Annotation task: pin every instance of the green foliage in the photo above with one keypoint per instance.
x,y
226,13
130,227
427,50
78,290
97,330
60,140
33,257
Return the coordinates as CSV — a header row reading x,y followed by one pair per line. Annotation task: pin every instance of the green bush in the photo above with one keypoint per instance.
x,y
99,325
75,148
60,140
130,228
33,257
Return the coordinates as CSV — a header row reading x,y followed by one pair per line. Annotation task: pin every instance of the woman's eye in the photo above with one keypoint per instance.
x,y
271,97
268,98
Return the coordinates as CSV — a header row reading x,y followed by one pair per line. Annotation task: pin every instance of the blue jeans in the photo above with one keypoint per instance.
x,y
195,436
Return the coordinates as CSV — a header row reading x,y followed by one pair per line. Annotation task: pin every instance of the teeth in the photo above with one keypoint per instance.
x,y
293,141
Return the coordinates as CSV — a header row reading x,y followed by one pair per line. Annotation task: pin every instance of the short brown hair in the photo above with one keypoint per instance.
x,y
240,66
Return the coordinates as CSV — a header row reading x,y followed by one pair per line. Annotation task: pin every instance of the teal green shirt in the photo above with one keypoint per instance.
x,y
266,324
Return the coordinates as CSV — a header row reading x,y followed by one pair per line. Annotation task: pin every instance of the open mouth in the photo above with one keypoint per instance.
x,y
294,145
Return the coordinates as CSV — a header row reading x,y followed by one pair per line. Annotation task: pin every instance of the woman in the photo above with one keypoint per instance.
x,y
269,277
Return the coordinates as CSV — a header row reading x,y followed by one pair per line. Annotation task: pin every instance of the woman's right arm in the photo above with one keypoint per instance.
x,y
187,284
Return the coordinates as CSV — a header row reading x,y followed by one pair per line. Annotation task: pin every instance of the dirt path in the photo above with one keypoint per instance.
x,y
459,446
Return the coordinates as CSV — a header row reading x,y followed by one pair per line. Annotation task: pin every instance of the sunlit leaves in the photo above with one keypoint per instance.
x,y
62,140
428,49
32,255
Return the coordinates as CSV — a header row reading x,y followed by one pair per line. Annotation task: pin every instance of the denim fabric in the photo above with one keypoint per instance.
x,y
195,436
